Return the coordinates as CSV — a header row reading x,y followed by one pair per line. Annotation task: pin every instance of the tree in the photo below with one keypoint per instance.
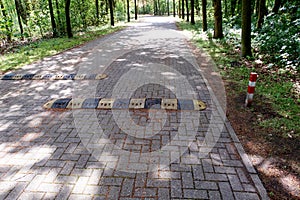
x,y
182,9
187,10
111,10
246,28
128,11
218,29
17,4
135,10
68,19
8,31
53,24
174,9
262,11
232,7
192,12
97,10
204,15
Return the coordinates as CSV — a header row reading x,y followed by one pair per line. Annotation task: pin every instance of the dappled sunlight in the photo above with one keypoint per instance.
x,y
269,167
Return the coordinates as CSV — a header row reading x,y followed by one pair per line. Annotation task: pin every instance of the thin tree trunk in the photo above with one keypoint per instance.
x,y
135,10
174,9
8,34
97,10
182,9
58,16
68,19
192,12
179,8
204,15
246,28
111,10
233,5
168,5
261,13
276,7
17,4
218,29
187,10
53,24
128,11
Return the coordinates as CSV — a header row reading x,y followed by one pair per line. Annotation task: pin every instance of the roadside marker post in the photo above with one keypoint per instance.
x,y
251,88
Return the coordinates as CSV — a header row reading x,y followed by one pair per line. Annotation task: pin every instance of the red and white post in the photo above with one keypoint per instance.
x,y
251,88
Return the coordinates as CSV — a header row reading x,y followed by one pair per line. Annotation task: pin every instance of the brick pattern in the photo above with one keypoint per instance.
x,y
43,156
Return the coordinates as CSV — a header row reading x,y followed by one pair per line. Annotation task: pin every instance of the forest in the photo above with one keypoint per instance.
x,y
240,35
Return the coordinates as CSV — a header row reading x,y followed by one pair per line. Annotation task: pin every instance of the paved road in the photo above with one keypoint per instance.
x,y
123,154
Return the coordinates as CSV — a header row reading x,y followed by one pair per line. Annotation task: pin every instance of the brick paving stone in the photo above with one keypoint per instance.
x,y
235,182
195,194
206,185
127,187
245,195
176,189
215,195
163,193
225,190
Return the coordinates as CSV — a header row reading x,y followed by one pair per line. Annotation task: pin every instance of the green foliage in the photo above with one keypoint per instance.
x,y
273,89
279,38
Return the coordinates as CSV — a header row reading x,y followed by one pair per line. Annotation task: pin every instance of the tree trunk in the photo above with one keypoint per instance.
x,y
68,19
261,13
111,10
53,24
218,29
232,6
179,8
8,31
246,28
135,10
204,15
58,16
187,10
192,12
17,4
174,9
128,11
276,7
97,10
168,5
182,9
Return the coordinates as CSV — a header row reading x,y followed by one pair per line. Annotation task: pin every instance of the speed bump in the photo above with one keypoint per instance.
x,y
141,103
12,76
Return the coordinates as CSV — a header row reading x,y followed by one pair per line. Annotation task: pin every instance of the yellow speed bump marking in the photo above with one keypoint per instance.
x,y
199,105
169,104
100,76
106,103
49,104
75,103
137,103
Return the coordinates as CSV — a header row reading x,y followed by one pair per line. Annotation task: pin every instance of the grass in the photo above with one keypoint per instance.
x,y
275,89
46,47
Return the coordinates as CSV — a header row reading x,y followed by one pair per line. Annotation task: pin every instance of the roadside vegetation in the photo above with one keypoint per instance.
x,y
24,53
270,128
